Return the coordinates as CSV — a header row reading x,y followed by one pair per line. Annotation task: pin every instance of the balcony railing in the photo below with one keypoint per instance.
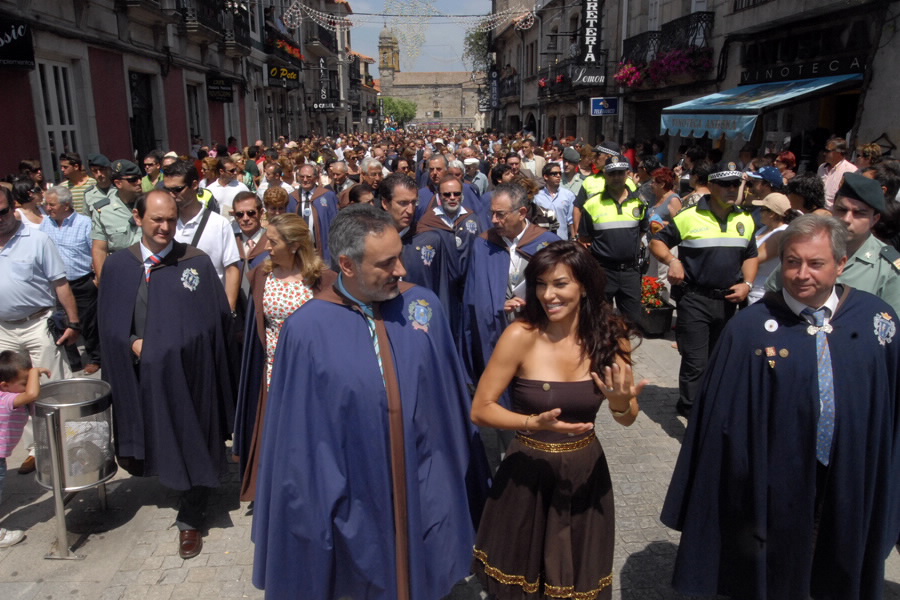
x,y
237,34
314,33
509,86
693,30
745,4
641,48
201,13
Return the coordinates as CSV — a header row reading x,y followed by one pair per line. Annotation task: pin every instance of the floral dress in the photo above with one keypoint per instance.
x,y
280,300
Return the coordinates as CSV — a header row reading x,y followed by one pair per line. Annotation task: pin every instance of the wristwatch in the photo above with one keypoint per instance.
x,y
74,326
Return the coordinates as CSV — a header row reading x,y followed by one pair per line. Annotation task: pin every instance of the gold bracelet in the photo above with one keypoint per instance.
x,y
620,413
526,422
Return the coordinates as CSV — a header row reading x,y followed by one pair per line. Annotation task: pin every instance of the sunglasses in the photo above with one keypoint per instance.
x,y
5,211
240,213
554,174
149,165
451,194
231,170
132,179
728,183
176,189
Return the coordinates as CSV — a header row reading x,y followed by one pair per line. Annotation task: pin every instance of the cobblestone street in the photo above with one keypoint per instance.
x,y
130,549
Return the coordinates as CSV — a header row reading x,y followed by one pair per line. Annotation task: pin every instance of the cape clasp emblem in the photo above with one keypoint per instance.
x,y
885,328
813,329
420,314
427,255
190,279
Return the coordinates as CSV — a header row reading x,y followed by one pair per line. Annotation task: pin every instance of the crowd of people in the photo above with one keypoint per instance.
x,y
407,338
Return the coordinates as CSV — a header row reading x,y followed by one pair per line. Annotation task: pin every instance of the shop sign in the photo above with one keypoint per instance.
x,y
16,45
219,89
604,107
284,77
587,75
589,53
324,106
495,88
818,68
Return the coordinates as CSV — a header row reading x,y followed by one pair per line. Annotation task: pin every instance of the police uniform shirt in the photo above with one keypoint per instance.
x,y
615,229
711,251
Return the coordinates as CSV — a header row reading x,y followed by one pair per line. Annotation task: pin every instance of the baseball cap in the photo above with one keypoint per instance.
x,y
776,202
571,155
125,168
98,160
860,187
770,174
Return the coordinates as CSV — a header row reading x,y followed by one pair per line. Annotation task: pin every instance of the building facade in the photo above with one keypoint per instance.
x,y
443,99
796,71
123,77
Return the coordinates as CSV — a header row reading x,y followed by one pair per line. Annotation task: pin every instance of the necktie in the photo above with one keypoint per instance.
x,y
250,246
825,427
152,261
370,321
306,208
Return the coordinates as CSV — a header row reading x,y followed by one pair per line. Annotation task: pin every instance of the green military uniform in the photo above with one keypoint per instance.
x,y
874,268
113,223
574,184
93,195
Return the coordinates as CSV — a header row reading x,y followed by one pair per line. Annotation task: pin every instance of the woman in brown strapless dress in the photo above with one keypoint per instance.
x,y
548,527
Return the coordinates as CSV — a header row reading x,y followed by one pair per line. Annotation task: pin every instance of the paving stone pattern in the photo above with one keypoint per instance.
x,y
130,549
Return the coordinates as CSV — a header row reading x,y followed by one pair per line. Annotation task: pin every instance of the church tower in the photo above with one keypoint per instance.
x,y
388,58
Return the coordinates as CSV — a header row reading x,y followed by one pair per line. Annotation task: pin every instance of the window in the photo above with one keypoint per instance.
x,y
59,110
193,110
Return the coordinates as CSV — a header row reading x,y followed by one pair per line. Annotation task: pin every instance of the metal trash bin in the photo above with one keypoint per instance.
x,y
85,442
73,445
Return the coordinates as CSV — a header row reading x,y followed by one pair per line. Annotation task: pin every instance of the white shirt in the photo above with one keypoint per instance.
x,y
305,209
217,240
224,195
264,185
146,253
517,262
798,307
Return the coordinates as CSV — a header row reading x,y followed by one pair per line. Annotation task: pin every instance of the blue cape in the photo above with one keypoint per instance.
x,y
324,493
744,488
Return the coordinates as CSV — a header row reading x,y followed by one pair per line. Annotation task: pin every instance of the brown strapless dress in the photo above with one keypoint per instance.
x,y
548,529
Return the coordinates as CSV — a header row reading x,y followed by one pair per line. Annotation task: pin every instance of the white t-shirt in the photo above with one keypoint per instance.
x,y
224,195
261,190
217,240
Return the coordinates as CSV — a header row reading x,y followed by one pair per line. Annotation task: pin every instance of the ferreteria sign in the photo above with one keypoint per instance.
x,y
590,38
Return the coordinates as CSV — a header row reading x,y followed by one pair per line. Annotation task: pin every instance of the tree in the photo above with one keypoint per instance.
x,y
401,111
476,51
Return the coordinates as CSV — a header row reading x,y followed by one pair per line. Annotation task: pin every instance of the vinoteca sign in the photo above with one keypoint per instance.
x,y
590,38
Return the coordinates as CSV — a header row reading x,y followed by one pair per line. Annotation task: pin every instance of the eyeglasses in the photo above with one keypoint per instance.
x,y
175,189
240,213
500,214
451,194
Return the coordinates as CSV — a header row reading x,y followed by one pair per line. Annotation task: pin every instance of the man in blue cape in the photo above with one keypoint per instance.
x,y
786,485
317,205
164,322
495,290
366,460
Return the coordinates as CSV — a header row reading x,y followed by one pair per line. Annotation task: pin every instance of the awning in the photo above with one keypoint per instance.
x,y
735,111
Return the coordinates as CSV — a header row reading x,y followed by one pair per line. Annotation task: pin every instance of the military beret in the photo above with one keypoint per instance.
x,y
863,189
98,160
125,168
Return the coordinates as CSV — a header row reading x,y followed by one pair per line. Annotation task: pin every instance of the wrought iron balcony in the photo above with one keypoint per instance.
x,y
693,30
237,34
509,86
314,35
641,48
202,18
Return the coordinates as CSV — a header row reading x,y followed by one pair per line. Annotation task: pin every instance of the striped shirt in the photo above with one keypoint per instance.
x,y
12,423
78,193
73,240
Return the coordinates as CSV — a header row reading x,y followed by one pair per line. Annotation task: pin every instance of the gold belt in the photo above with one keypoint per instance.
x,y
556,447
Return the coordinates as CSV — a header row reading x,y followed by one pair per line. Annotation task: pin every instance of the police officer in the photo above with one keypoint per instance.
x,y
718,261
613,222
101,171
594,185
112,225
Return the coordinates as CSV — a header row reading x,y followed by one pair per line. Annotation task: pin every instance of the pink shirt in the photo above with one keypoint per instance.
x,y
12,422
832,177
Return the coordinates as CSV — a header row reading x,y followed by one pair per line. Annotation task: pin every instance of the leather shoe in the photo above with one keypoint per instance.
x,y
190,543
27,466
91,368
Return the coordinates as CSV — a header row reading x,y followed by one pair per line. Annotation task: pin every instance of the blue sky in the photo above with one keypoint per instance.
x,y
443,45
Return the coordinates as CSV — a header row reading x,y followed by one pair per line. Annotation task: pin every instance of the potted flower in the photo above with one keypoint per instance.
x,y
542,82
629,74
656,314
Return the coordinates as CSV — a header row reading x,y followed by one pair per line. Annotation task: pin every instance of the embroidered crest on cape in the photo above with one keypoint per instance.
x,y
190,279
427,255
885,328
420,314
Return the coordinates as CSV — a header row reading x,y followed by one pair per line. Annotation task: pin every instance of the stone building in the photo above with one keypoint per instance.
x,y
443,99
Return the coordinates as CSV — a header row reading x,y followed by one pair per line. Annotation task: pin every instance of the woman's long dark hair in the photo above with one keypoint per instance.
x,y
600,330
